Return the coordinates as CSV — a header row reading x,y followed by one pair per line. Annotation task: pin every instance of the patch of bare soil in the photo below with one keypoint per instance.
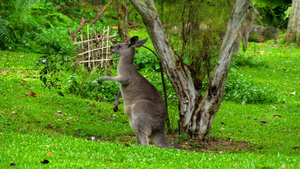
x,y
210,145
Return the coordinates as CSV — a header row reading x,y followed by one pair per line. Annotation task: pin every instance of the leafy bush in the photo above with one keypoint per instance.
x,y
63,74
247,61
35,26
6,35
146,61
239,89
85,84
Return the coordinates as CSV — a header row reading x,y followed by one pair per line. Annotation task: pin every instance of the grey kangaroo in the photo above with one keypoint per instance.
x,y
142,102
246,28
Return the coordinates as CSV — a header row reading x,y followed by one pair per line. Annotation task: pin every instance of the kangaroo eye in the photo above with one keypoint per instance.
x,y
119,46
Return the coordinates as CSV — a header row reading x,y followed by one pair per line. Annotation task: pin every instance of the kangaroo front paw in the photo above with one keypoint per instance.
x,y
100,81
116,108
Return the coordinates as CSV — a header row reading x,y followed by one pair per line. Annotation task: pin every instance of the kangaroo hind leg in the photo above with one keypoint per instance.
x,y
159,139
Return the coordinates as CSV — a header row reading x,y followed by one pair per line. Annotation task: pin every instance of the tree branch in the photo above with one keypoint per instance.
x,y
229,6
74,36
101,12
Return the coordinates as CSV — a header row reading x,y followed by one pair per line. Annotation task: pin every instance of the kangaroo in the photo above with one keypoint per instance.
x,y
142,102
246,28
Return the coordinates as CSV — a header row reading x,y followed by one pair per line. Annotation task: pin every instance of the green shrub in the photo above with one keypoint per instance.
x,y
64,75
35,26
247,61
239,89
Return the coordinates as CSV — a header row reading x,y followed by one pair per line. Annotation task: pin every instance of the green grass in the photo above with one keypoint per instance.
x,y
28,150
56,128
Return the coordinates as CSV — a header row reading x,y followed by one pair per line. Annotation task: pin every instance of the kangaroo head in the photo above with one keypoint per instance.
x,y
126,48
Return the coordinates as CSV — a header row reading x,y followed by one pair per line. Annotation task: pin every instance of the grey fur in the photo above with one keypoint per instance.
x,y
246,28
142,101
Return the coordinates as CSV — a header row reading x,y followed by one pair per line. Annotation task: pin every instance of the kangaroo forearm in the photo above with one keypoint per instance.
x,y
113,78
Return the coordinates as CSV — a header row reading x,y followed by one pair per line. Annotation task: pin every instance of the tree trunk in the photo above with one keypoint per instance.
x,y
123,19
293,29
196,114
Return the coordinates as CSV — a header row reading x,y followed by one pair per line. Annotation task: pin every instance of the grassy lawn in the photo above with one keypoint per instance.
x,y
40,129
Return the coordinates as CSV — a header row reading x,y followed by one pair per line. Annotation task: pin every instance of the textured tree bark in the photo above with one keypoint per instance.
x,y
196,114
293,29
123,19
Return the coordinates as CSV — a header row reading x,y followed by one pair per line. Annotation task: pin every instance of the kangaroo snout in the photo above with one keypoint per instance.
x,y
112,49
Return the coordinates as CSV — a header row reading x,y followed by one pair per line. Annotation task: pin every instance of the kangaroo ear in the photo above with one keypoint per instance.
x,y
141,42
133,41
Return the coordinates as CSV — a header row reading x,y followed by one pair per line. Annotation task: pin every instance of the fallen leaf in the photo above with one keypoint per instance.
x,y
264,121
276,116
21,56
30,94
49,154
13,164
295,148
184,145
59,113
45,161
3,71
91,103
243,103
59,120
293,93
283,166
114,27
91,138
273,107
36,76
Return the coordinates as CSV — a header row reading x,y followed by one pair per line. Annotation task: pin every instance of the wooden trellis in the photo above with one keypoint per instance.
x,y
94,50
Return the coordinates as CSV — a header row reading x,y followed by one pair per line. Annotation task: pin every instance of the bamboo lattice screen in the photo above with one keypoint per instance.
x,y
94,50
